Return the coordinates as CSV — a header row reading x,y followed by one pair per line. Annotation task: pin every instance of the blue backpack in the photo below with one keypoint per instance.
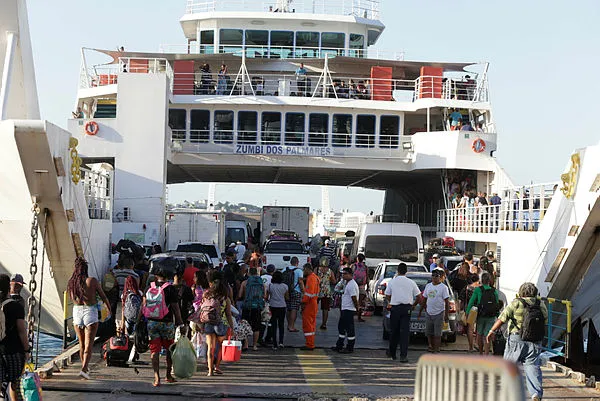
x,y
255,293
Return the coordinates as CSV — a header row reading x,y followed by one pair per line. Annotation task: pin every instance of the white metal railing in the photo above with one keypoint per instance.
x,y
282,52
341,86
368,9
107,74
467,378
520,209
96,188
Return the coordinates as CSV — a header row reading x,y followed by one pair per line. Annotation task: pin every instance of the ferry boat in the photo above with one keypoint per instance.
x,y
280,92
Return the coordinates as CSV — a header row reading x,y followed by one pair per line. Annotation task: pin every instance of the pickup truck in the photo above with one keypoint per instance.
x,y
280,253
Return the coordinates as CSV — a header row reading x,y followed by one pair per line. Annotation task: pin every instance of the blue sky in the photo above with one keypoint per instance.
x,y
543,81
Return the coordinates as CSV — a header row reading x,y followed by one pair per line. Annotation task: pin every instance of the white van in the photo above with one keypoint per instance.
x,y
388,242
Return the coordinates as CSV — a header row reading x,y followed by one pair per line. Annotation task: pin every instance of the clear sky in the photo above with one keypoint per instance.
x,y
543,84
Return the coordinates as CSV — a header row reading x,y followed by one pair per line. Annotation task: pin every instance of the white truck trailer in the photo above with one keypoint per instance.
x,y
285,218
195,225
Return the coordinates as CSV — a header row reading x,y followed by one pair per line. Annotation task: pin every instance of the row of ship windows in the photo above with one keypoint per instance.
x,y
344,127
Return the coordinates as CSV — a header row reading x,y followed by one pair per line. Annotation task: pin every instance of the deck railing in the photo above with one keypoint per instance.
x,y
97,188
520,209
368,9
108,74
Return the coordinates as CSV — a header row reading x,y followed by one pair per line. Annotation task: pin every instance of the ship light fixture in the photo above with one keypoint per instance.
x,y
407,146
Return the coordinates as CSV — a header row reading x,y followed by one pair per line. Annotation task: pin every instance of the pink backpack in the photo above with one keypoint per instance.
x,y
156,305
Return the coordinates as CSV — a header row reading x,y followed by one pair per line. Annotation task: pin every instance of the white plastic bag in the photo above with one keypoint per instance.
x,y
200,346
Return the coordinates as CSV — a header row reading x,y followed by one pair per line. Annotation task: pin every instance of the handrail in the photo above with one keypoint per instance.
x,y
466,378
67,306
555,318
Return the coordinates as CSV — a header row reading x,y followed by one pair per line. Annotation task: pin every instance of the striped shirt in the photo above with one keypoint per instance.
x,y
514,313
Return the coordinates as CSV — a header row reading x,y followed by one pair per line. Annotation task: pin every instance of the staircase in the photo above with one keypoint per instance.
x,y
105,110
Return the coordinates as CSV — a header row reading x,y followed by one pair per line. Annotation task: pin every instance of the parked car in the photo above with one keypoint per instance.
x,y
211,250
417,324
384,272
170,269
280,253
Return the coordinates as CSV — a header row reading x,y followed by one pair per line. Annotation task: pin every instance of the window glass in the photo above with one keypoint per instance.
x,y
391,247
388,131
372,37
365,131
207,42
200,126
342,130
271,128
318,127
257,43
231,40
307,44
247,126
282,44
357,45
177,124
223,126
294,128
333,40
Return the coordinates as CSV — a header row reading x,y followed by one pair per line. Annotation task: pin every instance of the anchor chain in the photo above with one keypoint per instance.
x,y
33,268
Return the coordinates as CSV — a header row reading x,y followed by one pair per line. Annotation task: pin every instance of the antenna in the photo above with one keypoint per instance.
x,y
283,6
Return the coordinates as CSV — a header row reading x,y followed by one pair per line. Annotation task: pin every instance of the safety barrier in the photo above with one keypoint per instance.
x,y
67,316
467,378
558,336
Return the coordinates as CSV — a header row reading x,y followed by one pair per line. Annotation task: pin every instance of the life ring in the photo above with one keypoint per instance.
x,y
91,128
478,145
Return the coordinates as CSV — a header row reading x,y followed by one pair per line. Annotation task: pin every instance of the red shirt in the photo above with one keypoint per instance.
x,y
188,275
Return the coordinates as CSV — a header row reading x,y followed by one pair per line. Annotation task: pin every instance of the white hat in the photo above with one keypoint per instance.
x,y
232,244
435,255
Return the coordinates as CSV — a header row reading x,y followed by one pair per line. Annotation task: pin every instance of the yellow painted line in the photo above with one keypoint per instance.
x,y
320,373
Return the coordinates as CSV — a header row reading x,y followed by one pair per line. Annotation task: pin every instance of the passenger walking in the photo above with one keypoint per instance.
x,y
189,272
310,307
161,328
485,297
14,348
131,304
326,280
253,294
185,297
294,278
468,293
360,276
278,293
402,295
348,308
437,305
83,290
199,287
527,318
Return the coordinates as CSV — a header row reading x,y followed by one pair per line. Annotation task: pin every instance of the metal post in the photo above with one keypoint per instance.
x,y
550,310
11,40
569,306
65,318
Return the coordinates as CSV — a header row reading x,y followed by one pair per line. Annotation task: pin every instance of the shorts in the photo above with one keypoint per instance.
x,y
484,324
219,329
11,367
362,290
325,303
433,325
295,300
85,315
253,316
161,334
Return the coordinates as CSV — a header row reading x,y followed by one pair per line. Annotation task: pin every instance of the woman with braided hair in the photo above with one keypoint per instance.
x,y
83,291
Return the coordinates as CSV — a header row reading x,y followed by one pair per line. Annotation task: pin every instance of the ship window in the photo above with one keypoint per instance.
x,y
318,127
223,126
388,131
294,128
256,43
357,45
307,44
282,44
247,126
207,42
365,131
342,130
177,124
333,43
231,40
372,37
271,128
200,126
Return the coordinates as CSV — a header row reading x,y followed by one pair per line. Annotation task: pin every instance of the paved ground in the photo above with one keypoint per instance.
x,y
283,374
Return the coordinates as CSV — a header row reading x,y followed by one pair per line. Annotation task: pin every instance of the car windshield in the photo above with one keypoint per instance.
x,y
284,247
392,247
421,281
198,248
451,264
234,235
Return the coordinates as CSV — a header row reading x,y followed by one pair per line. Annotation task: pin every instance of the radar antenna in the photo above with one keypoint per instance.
x,y
283,6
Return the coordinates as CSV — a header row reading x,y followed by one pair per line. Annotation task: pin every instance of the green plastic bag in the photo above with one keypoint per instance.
x,y
184,358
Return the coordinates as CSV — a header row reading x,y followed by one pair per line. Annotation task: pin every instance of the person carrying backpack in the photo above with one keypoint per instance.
x,y
485,297
160,307
293,277
527,318
253,293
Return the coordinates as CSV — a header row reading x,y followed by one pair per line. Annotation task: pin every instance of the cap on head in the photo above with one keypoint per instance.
x,y
435,256
17,278
232,244
347,270
326,242
437,272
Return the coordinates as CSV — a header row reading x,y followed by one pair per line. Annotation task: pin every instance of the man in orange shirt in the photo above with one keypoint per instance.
x,y
310,307
189,272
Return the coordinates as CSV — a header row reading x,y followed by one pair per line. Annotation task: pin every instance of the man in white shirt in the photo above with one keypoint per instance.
x,y
437,305
240,250
402,295
348,310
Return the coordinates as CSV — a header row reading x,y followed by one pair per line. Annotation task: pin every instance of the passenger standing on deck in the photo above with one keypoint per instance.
x,y
16,285
485,297
437,307
14,348
310,307
402,295
348,309
189,272
527,318
83,290
326,280
301,80
296,288
253,294
278,293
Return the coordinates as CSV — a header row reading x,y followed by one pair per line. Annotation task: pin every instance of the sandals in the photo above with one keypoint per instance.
x,y
155,384
171,380
217,371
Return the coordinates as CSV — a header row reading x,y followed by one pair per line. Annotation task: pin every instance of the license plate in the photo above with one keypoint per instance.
x,y
417,326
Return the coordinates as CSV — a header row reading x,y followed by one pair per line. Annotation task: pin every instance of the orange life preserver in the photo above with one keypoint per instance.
x,y
478,145
91,128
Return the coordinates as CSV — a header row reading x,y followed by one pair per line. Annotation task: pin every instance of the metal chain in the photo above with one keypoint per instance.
x,y
31,318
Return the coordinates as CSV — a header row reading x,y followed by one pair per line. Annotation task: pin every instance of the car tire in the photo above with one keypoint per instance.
x,y
451,337
378,310
386,335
